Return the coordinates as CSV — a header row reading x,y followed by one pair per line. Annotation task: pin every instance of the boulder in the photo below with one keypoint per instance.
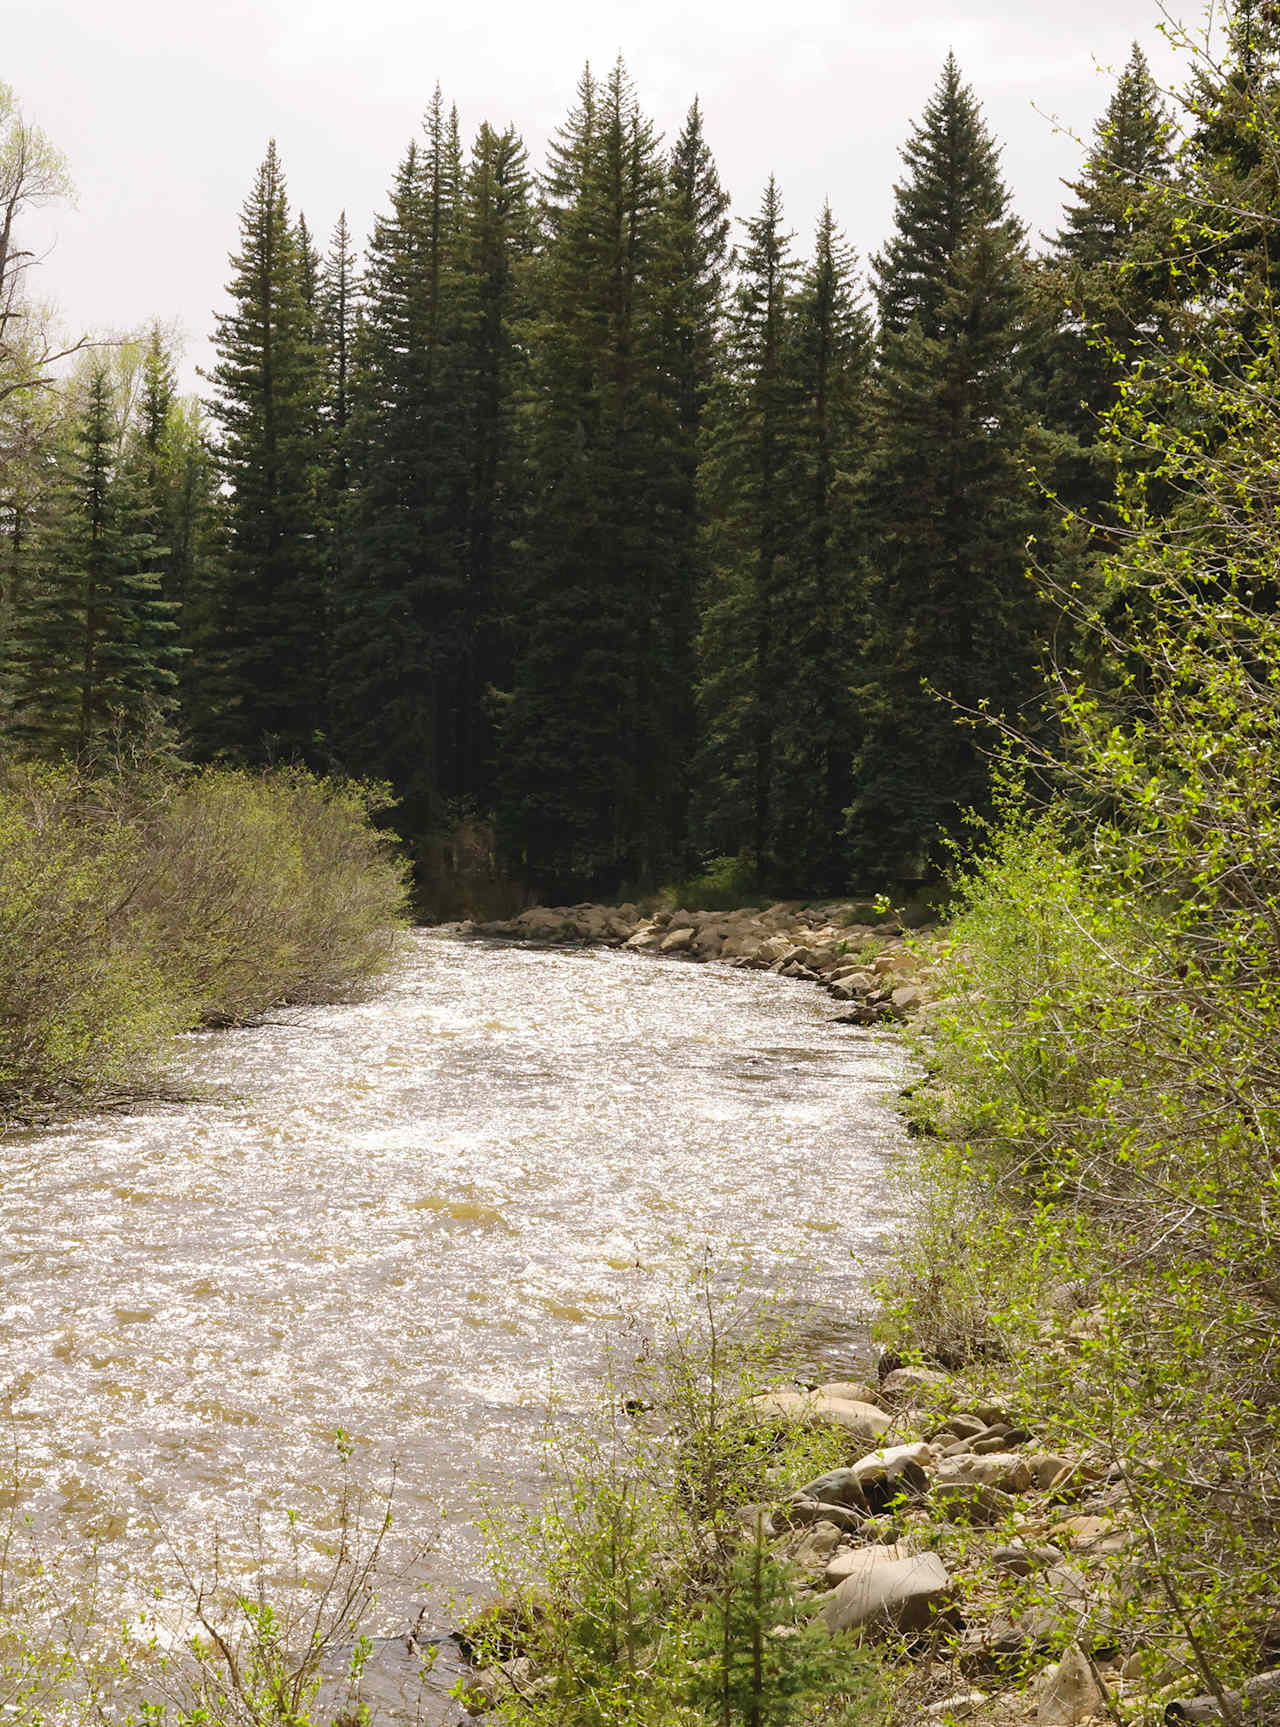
x,y
862,1420
887,1588
1070,1692
678,940
838,1487
802,1512
1082,1534
852,1390
888,1475
1258,1701
1001,1469
913,1381
971,1502
647,935
817,1544
958,1707
1049,1469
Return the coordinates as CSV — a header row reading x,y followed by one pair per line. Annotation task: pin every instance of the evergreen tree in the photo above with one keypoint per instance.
x,y
406,610
829,361
699,218
589,745
95,636
167,452
748,479
1107,282
497,243
267,648
948,501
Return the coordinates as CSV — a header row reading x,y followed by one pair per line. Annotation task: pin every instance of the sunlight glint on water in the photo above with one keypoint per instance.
x,y
407,1219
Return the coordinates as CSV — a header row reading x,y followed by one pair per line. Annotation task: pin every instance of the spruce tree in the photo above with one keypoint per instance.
x,y
95,637
949,505
405,620
267,649
829,362
748,480
1107,282
699,246
497,241
589,746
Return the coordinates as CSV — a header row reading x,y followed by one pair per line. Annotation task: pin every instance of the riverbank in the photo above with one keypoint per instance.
x,y
1064,1506
137,906
868,964
958,1565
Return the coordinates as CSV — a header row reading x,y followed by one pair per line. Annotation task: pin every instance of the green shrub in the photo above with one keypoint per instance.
x,y
1099,1209
722,884
271,889
132,909
86,1010
641,1593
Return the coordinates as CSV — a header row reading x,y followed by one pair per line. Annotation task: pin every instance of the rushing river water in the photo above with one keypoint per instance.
x,y
409,1219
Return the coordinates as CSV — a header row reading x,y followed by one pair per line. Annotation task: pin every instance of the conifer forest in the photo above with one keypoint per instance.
x,y
576,507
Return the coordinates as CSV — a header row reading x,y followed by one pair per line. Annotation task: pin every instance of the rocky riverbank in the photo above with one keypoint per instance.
x,y
992,1572
870,967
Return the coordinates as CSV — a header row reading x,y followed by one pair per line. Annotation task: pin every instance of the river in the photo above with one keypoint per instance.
x,y
411,1220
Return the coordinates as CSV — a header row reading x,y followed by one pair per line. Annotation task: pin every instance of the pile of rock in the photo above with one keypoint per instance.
x,y
997,1566
866,965
993,1560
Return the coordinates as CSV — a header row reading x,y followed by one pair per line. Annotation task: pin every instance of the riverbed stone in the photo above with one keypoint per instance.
x,y
1050,1469
1070,1693
890,1589
816,1546
678,940
862,1420
1005,1470
972,1502
916,1383
852,1391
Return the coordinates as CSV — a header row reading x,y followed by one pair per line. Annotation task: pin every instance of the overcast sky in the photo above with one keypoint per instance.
x,y
164,108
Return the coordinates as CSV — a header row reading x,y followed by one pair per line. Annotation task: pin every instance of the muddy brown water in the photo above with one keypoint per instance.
x,y
411,1220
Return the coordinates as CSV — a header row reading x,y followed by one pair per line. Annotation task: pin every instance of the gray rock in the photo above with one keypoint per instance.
x,y
1258,1701
912,1381
1050,1469
886,1588
1070,1692
1002,1469
679,940
892,1474
802,1512
861,1420
839,1487
961,1427
972,1502
817,1545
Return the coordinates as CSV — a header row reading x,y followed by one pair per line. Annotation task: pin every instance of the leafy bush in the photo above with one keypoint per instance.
x,y
640,1594
722,884
133,909
270,889
85,1007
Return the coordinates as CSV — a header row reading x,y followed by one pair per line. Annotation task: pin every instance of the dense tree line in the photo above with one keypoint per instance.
x,y
559,509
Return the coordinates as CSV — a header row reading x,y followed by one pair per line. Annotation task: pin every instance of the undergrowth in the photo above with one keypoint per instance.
x,y
133,909
644,1592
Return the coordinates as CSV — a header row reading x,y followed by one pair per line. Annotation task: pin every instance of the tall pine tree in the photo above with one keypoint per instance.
x,y
949,504
589,743
267,649
829,362
748,479
95,637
